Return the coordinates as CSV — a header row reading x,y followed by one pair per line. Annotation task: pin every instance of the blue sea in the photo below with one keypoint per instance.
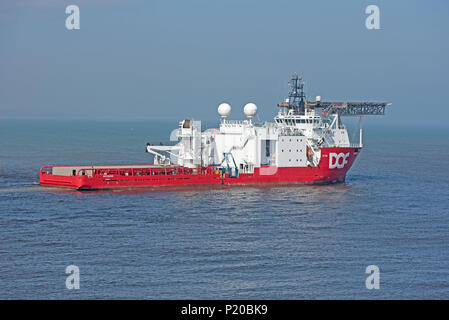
x,y
296,242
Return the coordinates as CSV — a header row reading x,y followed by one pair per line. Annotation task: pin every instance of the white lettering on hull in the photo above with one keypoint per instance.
x,y
338,160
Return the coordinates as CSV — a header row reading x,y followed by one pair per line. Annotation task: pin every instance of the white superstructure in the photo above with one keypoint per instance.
x,y
295,138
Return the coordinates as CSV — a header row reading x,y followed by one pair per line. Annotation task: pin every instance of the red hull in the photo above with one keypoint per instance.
x,y
333,166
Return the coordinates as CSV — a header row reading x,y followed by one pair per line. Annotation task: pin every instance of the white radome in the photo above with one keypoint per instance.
x,y
224,110
250,110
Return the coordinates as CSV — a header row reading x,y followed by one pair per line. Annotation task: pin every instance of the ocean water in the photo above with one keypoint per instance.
x,y
296,242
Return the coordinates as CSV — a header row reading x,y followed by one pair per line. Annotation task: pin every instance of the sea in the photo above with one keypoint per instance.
x,y
252,242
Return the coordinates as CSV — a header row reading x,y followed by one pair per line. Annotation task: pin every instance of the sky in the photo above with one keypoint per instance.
x,y
161,60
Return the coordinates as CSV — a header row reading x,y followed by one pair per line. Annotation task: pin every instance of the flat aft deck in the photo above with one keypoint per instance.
x,y
108,176
69,170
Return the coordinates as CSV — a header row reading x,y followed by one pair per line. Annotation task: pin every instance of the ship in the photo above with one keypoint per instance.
x,y
307,143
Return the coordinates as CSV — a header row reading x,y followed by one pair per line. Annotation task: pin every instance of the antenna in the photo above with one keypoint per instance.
x,y
296,97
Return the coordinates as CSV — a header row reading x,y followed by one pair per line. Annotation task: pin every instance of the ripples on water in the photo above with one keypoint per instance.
x,y
240,242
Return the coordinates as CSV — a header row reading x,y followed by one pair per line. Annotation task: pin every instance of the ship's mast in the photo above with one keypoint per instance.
x,y
296,97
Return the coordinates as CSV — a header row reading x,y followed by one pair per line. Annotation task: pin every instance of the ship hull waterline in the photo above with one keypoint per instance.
x,y
332,168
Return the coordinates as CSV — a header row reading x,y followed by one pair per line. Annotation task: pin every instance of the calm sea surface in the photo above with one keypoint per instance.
x,y
233,243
